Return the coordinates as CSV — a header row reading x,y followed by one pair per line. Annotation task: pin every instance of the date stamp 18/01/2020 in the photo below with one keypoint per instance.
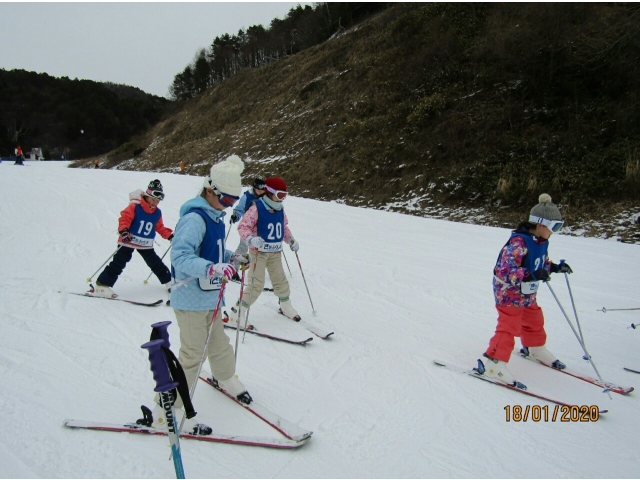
x,y
558,413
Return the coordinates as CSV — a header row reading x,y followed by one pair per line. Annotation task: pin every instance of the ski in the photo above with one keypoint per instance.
x,y
133,302
606,385
286,428
316,330
267,442
631,370
475,374
253,330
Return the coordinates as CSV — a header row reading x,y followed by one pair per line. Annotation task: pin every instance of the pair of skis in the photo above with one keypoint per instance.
x,y
474,373
294,436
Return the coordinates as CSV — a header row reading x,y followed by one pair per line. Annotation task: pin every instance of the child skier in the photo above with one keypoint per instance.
x,y
522,264
137,227
256,191
200,262
263,228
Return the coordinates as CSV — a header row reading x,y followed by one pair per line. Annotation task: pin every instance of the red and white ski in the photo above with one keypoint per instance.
x,y
475,374
302,340
133,302
606,385
282,443
286,428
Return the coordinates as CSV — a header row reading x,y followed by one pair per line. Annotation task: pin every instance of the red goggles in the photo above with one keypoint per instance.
x,y
279,194
226,200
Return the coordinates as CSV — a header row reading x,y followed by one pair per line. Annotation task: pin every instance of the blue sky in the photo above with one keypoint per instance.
x,y
139,44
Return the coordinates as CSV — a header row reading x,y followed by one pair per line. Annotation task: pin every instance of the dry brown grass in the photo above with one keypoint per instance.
x,y
438,99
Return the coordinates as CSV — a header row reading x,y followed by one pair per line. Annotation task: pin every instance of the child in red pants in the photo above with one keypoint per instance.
x,y
522,264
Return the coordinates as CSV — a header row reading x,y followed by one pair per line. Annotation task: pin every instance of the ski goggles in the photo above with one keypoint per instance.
x,y
553,225
279,194
155,194
226,200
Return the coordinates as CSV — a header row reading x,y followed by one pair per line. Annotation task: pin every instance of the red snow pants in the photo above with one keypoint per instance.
x,y
524,322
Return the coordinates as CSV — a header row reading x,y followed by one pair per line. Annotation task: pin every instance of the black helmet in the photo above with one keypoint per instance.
x,y
258,183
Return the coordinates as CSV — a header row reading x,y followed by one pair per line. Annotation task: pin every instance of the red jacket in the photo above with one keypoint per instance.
x,y
127,215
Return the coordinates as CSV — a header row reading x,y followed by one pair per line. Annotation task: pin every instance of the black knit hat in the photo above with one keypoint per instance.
x,y
155,190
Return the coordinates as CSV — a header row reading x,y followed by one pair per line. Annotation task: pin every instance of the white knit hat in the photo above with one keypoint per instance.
x,y
225,176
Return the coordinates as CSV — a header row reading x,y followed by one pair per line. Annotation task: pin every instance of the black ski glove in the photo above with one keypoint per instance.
x,y
125,235
540,274
561,268
234,217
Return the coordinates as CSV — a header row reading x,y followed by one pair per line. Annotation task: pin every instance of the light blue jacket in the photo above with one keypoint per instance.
x,y
186,264
248,197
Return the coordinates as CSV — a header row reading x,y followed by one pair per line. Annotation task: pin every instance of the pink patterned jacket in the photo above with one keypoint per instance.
x,y
248,226
509,272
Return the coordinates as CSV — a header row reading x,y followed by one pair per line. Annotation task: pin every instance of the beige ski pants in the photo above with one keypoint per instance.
x,y
194,326
271,262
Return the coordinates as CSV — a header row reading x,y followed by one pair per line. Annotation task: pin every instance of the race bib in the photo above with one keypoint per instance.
x,y
214,283
141,242
271,247
527,288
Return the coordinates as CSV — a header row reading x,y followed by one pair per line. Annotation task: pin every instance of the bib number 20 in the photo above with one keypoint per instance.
x,y
275,231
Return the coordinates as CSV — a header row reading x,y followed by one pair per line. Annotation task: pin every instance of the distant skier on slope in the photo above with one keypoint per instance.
x,y
264,228
19,156
251,195
522,264
199,262
137,227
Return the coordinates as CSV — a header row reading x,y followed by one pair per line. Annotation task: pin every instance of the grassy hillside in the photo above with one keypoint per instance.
x,y
466,111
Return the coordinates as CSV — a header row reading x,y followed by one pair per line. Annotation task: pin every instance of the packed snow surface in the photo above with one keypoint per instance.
x,y
398,290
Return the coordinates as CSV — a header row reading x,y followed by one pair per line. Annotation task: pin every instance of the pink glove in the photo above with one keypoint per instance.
x,y
225,270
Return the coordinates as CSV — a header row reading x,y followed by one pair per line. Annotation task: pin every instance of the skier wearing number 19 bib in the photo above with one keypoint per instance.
x,y
137,227
264,227
522,265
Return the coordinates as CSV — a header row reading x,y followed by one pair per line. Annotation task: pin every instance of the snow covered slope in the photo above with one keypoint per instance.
x,y
398,290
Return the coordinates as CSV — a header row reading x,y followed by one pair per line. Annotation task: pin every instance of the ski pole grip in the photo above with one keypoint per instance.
x,y
159,366
160,332
561,261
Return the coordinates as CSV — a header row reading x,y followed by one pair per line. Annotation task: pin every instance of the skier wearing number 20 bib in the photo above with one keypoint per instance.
x,y
137,227
522,265
264,228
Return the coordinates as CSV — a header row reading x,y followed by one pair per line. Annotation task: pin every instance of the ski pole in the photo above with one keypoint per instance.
x,y
305,284
253,278
227,236
192,390
161,258
605,310
287,262
575,312
634,326
164,386
587,356
239,316
105,262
